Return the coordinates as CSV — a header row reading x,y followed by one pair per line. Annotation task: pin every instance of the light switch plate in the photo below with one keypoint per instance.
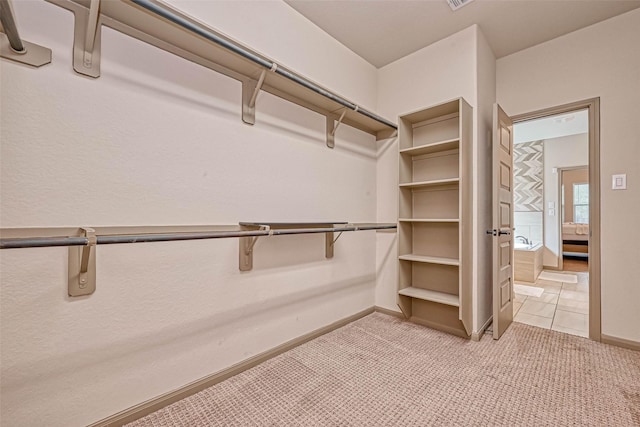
x,y
619,182
552,212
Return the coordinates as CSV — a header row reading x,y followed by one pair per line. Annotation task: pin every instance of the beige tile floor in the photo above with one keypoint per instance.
x,y
563,307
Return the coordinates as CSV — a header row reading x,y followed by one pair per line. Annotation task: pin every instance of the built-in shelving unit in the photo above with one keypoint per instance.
x,y
434,250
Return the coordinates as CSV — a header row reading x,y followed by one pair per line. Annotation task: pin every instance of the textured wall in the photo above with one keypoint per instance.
x,y
159,140
602,60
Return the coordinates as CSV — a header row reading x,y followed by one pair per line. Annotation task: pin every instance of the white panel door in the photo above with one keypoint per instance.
x,y
502,221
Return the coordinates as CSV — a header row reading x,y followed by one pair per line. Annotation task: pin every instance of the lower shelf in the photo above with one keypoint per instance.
x,y
429,259
424,294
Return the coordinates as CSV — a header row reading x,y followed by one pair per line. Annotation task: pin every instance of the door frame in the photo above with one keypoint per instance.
x,y
593,107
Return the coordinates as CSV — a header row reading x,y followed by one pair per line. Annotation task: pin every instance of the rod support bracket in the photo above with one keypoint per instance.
x,y
31,53
87,39
246,244
333,242
332,127
82,266
250,90
249,86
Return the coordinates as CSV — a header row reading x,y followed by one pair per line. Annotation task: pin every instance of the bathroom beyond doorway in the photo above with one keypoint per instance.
x,y
554,304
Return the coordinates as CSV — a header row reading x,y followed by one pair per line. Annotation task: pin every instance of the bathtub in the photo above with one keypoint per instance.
x,y
527,260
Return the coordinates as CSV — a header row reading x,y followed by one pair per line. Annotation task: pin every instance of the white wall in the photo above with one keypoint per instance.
x,y
599,61
158,140
563,152
529,225
483,215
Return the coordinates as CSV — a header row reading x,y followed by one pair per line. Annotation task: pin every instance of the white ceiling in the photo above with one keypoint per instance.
x,y
551,127
382,31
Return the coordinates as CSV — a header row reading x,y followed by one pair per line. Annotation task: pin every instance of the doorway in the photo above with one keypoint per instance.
x,y
556,219
574,218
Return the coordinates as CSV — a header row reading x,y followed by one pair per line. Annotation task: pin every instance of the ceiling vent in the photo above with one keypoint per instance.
x,y
457,4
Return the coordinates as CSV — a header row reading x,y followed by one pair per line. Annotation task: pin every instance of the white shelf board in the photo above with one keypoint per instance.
x,y
431,183
429,259
427,295
449,144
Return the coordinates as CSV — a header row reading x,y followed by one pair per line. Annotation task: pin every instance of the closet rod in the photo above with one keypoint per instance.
x,y
9,26
160,10
41,242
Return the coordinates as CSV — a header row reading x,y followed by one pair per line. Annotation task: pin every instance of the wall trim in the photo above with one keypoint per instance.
x,y
439,327
620,342
476,336
389,312
152,405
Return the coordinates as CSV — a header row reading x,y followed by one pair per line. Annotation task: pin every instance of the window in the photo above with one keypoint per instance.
x,y
581,203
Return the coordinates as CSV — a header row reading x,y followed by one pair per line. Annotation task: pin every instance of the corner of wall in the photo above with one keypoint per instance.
x,y
486,97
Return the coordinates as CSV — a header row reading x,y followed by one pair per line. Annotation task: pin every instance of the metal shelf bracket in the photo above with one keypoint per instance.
x,y
246,248
87,39
13,47
333,242
332,127
250,91
246,244
82,266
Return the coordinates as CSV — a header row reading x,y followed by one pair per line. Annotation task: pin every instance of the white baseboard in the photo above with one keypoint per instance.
x,y
152,405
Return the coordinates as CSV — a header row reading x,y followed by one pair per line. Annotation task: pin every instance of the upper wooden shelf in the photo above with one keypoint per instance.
x,y
163,26
432,183
446,109
429,259
435,147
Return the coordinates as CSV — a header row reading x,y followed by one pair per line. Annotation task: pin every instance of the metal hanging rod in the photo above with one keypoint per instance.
x,y
43,242
82,252
10,27
165,27
13,47
161,10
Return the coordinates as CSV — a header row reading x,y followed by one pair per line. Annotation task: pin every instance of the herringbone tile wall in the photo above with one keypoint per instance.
x,y
528,184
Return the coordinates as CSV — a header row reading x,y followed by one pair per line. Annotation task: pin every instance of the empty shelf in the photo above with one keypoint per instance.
x,y
449,144
429,259
424,294
431,183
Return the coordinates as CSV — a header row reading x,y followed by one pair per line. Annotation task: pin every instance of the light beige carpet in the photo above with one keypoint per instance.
x,y
382,371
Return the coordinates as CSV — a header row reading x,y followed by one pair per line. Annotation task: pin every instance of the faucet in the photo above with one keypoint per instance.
x,y
524,240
